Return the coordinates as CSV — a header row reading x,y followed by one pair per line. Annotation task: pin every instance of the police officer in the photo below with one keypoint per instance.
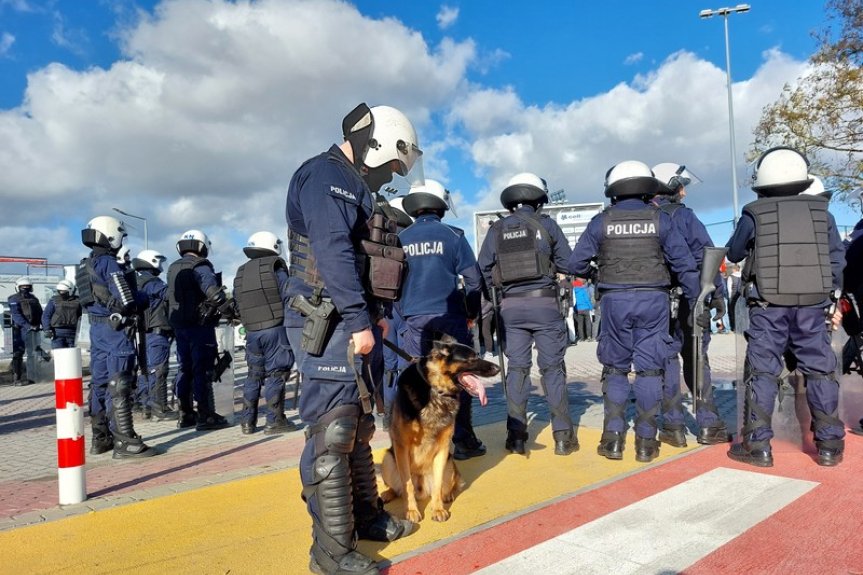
x,y
260,293
26,314
432,303
153,385
521,256
393,362
673,179
794,260
195,296
337,243
111,300
633,242
61,317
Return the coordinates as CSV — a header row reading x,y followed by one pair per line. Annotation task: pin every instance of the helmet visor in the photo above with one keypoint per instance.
x,y
683,178
410,165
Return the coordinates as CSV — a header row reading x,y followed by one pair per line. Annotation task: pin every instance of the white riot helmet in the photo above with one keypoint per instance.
x,y
672,177
65,286
149,260
397,204
104,231
630,179
429,196
817,189
524,188
781,171
124,257
23,282
194,241
263,244
393,138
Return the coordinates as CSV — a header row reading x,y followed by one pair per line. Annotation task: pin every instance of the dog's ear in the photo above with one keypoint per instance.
x,y
444,338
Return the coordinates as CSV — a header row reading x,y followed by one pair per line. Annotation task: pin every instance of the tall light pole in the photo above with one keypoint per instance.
x,y
119,211
724,12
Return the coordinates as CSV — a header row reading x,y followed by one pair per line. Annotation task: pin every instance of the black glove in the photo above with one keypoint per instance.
x,y
702,320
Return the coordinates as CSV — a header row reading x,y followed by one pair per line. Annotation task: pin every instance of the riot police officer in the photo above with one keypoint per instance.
x,y
61,317
339,270
794,260
633,243
673,179
111,300
26,314
521,255
432,303
195,296
260,293
153,386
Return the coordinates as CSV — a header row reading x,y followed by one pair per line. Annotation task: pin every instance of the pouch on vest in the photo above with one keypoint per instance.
x,y
384,269
519,257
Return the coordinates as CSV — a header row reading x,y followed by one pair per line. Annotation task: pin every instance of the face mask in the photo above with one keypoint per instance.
x,y
376,178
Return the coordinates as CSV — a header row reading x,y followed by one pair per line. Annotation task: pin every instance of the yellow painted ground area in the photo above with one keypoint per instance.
x,y
259,525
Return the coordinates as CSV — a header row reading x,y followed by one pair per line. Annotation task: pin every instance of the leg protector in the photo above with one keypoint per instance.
x,y
329,495
127,443
647,405
372,521
757,429
102,440
159,396
208,419
615,392
672,398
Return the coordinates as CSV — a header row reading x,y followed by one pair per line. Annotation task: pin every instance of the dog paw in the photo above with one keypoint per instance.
x,y
449,497
440,515
388,495
414,516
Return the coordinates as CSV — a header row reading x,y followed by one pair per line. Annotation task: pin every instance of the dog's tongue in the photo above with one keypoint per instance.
x,y
473,385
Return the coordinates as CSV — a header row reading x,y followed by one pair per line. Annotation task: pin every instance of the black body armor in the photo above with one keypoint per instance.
x,y
67,312
630,253
519,257
256,292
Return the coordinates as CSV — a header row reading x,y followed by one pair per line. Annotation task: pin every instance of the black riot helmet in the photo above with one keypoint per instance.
x,y
524,188
630,179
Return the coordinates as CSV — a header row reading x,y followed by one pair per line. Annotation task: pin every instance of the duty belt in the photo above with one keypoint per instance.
x,y
545,292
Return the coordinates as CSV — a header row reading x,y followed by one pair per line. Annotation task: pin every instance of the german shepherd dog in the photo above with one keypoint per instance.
x,y
419,463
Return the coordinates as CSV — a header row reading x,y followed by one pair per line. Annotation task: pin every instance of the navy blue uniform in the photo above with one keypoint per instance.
x,y
112,352
530,315
697,238
26,313
158,343
63,331
328,207
270,358
634,320
800,330
432,302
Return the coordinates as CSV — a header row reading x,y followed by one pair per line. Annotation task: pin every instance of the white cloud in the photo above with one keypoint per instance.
x,y
75,39
446,16
6,41
634,58
17,5
678,112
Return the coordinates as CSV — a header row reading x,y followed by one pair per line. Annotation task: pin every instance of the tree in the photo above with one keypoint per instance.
x,y
822,113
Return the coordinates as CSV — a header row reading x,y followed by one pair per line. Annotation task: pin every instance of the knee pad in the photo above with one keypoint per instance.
x,y
121,384
161,371
336,431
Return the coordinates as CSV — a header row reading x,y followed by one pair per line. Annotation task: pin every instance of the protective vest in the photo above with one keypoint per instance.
x,y
631,253
155,317
519,258
256,291
382,265
790,262
91,290
32,313
66,312
184,295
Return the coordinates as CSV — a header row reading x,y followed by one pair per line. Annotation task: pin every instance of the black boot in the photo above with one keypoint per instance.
x,y
611,445
673,435
208,419
469,447
249,425
102,440
759,455
830,453
280,424
372,522
565,442
18,372
714,435
646,449
186,415
127,443
515,441
162,411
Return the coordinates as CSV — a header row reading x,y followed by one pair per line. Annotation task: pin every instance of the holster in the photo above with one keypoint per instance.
x,y
320,321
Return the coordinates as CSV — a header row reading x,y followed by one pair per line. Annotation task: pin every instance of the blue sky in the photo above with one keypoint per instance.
x,y
194,114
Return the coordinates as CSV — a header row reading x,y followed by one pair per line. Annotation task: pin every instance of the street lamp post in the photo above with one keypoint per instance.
x,y
724,12
119,211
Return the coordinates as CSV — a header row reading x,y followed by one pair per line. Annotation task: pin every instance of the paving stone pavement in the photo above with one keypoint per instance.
x,y
189,459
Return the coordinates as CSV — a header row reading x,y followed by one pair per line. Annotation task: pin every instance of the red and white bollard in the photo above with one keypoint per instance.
x,y
69,389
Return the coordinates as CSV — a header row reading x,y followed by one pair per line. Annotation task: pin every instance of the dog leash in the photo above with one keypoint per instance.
x,y
365,396
401,353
